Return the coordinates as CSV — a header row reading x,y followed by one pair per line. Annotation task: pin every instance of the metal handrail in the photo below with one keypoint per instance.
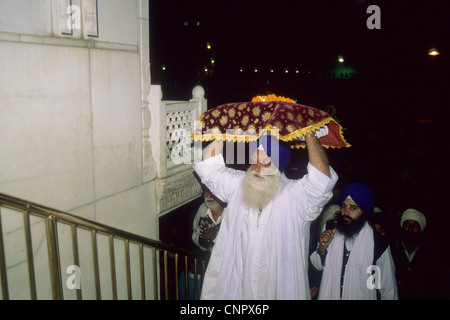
x,y
53,217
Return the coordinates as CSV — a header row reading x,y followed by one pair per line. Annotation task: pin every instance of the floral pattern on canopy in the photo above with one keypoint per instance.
x,y
279,116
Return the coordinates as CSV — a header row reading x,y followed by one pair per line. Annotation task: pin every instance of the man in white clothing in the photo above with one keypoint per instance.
x,y
355,261
261,251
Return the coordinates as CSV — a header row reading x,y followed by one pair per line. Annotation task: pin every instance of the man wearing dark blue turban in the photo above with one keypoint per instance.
x,y
361,194
353,265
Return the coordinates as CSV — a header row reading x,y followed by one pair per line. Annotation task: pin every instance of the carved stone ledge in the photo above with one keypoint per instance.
x,y
175,191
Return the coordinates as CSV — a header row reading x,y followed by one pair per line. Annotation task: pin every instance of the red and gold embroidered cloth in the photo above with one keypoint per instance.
x,y
246,121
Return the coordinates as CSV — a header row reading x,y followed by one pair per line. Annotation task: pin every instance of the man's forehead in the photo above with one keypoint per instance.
x,y
263,157
410,222
349,201
261,154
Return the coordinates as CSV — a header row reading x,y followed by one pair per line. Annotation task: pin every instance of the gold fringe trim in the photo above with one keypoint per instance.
x,y
286,138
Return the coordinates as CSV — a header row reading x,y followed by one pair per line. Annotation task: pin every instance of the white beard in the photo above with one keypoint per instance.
x,y
259,190
212,204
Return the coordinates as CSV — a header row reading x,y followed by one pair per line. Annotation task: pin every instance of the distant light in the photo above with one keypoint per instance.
x,y
186,23
208,46
340,59
198,23
213,61
271,70
163,67
286,70
241,69
433,52
297,71
205,69
255,69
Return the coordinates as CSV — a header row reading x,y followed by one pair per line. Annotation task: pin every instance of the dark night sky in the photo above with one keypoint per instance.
x,y
395,111
305,34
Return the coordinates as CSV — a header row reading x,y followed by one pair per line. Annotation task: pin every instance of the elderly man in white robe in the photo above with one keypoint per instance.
x,y
356,263
261,251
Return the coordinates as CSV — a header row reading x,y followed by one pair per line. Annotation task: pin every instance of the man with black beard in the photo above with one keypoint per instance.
x,y
347,225
353,264
412,259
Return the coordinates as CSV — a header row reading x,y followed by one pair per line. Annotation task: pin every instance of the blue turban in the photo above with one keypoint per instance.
x,y
361,194
278,153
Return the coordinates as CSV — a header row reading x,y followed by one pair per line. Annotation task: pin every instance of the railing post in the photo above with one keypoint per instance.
x,y
186,279
96,265
128,269
195,280
198,95
3,274
53,255
76,254
142,270
29,248
177,289
158,129
155,275
112,260
166,276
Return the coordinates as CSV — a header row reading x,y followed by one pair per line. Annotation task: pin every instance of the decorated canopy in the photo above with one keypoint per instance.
x,y
278,116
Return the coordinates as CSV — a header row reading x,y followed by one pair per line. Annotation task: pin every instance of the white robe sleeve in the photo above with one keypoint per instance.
x,y
212,271
222,182
313,191
316,261
388,289
217,177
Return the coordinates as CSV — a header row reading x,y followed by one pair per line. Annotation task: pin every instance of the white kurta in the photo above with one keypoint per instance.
x,y
262,256
356,274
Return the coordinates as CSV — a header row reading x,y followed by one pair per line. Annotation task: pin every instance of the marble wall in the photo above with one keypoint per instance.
x,y
72,123
71,110
76,114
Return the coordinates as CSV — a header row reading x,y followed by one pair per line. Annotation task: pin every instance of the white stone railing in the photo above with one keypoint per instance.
x,y
172,122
